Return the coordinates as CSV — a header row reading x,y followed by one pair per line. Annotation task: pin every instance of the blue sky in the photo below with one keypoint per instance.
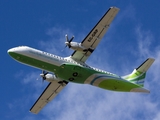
x,y
132,37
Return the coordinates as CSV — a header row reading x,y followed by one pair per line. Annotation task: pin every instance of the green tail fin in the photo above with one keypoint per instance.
x,y
138,75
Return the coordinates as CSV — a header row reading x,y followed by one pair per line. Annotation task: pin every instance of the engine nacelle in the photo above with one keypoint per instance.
x,y
51,77
76,46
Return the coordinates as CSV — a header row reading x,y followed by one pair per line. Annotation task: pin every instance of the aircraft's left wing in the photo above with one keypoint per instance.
x,y
93,38
48,94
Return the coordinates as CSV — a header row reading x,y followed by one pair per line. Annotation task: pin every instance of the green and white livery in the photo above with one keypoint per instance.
x,y
59,71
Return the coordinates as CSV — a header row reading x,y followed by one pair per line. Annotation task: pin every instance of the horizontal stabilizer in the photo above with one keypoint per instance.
x,y
142,90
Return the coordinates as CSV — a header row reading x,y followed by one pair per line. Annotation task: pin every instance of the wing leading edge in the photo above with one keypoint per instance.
x,y
48,94
95,35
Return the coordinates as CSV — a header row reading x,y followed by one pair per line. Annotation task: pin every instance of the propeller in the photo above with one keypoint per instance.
x,y
43,75
68,41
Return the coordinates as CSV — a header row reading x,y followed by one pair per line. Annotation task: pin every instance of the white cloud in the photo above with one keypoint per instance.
x,y
30,77
144,38
86,102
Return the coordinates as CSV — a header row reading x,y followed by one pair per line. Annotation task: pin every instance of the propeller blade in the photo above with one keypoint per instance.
x,y
71,39
43,75
44,72
67,38
68,41
64,48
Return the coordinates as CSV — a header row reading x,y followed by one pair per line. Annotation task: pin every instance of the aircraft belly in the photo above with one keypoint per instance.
x,y
117,85
74,73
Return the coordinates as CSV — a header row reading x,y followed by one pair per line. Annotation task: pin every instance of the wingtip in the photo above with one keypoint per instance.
x,y
145,65
142,90
113,7
152,59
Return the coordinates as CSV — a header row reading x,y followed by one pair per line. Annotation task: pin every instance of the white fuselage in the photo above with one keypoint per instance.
x,y
37,54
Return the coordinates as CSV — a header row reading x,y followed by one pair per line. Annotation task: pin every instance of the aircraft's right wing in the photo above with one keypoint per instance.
x,y
48,94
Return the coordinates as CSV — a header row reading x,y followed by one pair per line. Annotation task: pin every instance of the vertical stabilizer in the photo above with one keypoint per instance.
x,y
138,75
145,65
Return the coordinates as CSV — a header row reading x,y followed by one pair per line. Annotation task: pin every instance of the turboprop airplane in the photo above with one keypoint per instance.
x,y
59,71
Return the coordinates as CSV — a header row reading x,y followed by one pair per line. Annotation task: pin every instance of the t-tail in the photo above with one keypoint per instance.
x,y
138,75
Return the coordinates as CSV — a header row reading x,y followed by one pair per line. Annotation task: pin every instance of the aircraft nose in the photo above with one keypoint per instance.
x,y
11,51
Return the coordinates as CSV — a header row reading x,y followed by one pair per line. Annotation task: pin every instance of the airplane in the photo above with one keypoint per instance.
x,y
59,71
